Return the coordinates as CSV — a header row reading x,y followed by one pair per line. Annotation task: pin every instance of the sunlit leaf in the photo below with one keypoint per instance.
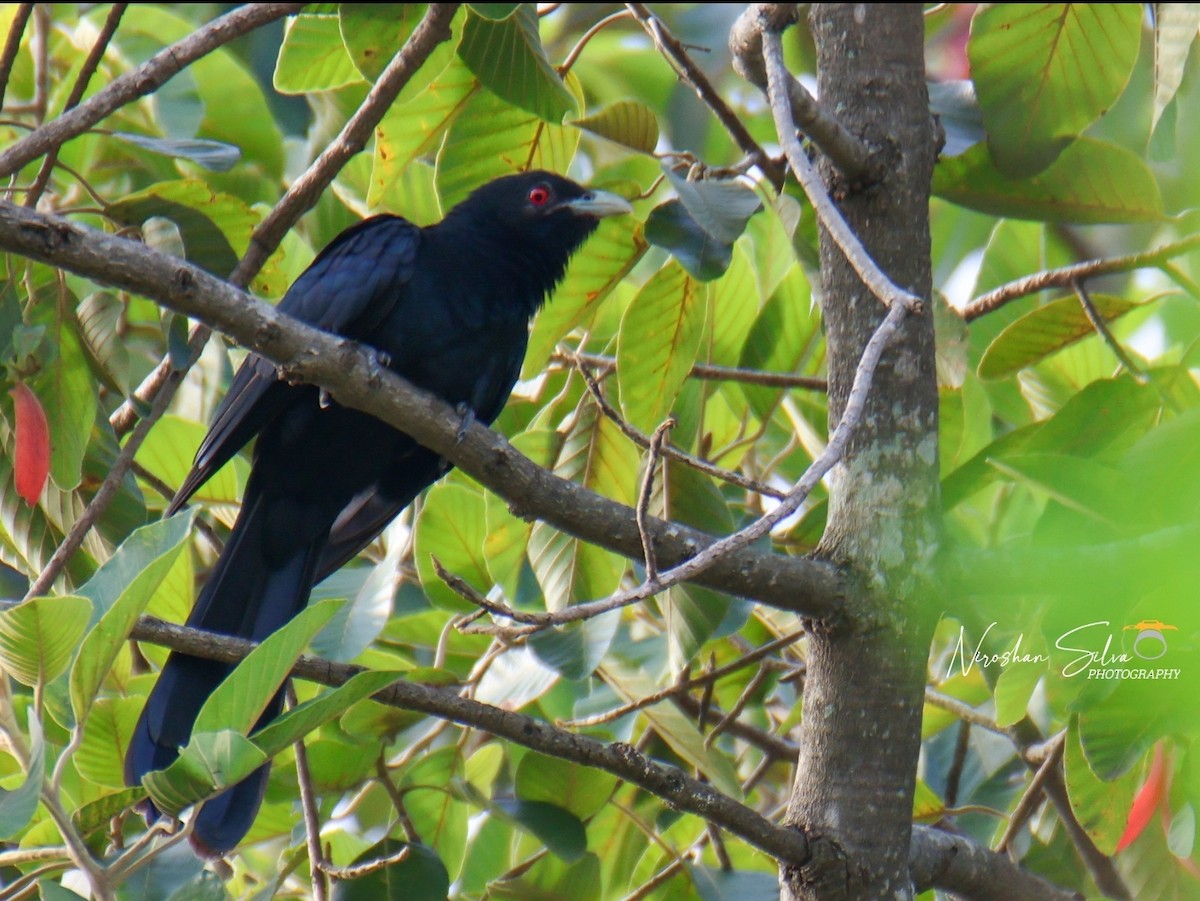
x,y
508,57
374,32
313,57
1091,182
38,638
626,122
1045,71
1045,330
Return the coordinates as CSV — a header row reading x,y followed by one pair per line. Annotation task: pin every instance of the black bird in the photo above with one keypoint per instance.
x,y
448,308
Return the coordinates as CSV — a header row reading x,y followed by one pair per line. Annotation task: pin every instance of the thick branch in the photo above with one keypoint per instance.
x,y
956,864
620,759
938,859
354,377
142,81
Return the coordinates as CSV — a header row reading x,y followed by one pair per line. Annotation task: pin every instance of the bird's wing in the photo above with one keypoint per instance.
x,y
349,288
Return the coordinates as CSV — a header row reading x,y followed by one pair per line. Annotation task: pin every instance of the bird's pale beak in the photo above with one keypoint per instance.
x,y
599,204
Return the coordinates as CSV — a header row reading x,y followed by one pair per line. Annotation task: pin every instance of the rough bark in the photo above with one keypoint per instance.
x,y
860,734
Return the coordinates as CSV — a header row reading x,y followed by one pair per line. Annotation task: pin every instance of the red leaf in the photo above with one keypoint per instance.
x,y
1146,801
32,459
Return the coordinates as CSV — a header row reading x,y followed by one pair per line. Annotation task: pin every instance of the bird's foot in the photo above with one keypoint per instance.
x,y
466,418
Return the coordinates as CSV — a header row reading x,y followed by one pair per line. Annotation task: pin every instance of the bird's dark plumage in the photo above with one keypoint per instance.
x,y
448,306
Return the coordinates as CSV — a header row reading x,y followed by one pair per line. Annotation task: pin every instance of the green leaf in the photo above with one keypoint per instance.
x,y
509,59
1101,806
599,457
101,322
593,274
439,815
1045,330
551,879
1014,688
98,814
1092,182
675,728
52,891
215,156
421,876
65,386
38,637
733,885
734,300
672,228
305,718
413,128
559,830
721,207
1181,836
453,528
656,348
374,32
491,138
1175,29
215,228
580,790
119,593
313,57
241,698
107,730
786,337
18,805
211,762
627,122
1046,71
575,650
167,455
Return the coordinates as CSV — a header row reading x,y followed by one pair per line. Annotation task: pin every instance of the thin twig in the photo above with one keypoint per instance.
x,y
964,712
856,255
312,822
1105,332
90,64
851,156
1065,276
642,510
670,451
683,687
143,80
567,63
722,547
1032,796
358,870
738,706
962,744
711,372
12,46
685,66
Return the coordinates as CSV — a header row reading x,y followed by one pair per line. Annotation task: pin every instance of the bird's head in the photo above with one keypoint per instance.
x,y
532,221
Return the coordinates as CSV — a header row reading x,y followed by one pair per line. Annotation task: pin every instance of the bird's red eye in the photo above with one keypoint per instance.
x,y
539,196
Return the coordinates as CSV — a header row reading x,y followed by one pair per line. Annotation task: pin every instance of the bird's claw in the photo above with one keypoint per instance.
x,y
466,418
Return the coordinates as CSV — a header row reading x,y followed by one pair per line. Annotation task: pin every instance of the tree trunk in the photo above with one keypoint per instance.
x,y
860,734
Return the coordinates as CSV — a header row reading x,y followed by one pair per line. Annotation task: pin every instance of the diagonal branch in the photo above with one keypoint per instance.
x,y
304,192
938,859
1066,276
143,80
355,379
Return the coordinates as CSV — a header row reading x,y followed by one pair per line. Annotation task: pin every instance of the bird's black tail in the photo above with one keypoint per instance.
x,y
248,598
